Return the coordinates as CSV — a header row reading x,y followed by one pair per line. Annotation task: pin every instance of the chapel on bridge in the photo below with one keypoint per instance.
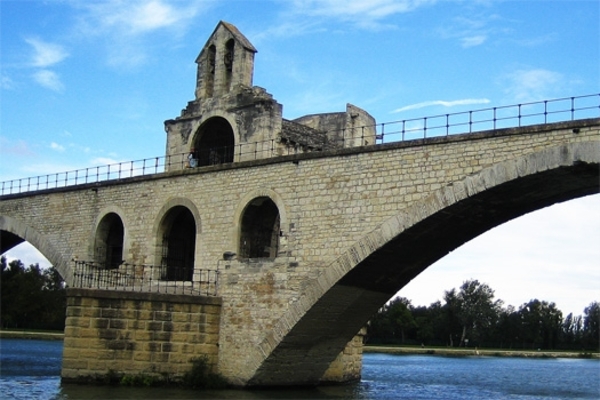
x,y
230,120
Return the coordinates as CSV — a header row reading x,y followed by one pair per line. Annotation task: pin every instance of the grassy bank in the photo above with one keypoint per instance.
x,y
463,352
31,334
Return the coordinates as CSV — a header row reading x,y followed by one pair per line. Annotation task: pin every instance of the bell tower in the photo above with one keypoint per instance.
x,y
230,120
225,62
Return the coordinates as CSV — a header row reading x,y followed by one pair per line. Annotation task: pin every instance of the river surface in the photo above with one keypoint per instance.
x,y
30,369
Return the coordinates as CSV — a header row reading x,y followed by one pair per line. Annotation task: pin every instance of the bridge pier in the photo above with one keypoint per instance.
x,y
347,366
113,333
117,333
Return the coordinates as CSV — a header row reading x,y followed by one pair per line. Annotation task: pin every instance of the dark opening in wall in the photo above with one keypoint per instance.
x,y
259,235
228,62
211,56
109,241
179,245
214,142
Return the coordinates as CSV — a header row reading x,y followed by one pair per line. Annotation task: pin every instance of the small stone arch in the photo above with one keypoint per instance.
x,y
39,241
109,240
214,142
177,229
261,226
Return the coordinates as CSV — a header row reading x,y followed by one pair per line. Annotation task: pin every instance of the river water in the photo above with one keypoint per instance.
x,y
30,369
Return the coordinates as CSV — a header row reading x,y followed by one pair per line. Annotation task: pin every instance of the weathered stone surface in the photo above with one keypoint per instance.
x,y
331,205
140,343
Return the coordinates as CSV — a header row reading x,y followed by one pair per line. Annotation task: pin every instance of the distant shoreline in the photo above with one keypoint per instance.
x,y
407,350
466,352
18,334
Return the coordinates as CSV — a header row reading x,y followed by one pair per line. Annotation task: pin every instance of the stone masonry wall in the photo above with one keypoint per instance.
x,y
327,202
127,333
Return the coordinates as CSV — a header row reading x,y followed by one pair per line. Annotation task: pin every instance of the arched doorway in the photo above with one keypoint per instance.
x,y
214,142
259,232
178,245
109,241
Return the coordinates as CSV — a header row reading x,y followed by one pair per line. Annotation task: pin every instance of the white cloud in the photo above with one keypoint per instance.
x,y
46,54
103,161
48,79
473,30
57,147
453,103
527,85
138,17
365,13
126,25
472,41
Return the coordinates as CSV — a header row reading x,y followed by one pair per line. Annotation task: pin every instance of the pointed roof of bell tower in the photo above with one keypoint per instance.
x,y
235,32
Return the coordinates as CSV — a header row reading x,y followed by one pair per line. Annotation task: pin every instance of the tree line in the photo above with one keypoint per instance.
x,y
31,297
35,298
471,316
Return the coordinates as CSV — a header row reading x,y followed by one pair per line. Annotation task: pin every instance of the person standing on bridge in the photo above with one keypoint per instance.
x,y
193,158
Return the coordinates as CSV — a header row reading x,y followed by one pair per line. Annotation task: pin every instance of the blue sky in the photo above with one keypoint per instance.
x,y
86,83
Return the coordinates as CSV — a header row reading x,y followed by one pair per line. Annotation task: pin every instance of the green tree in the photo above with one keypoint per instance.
x,y
392,322
450,317
31,297
477,310
401,318
508,328
541,324
591,325
572,331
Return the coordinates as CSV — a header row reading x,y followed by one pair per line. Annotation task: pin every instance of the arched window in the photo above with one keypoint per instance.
x,y
228,62
259,234
214,142
179,245
109,241
211,56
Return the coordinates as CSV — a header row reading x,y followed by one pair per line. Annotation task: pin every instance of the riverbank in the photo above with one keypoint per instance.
x,y
22,334
463,352
439,351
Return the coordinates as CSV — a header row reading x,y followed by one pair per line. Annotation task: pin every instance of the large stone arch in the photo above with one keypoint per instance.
x,y
365,276
214,141
40,242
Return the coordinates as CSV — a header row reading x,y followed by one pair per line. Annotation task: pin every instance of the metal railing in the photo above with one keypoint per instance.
x,y
145,278
492,118
517,115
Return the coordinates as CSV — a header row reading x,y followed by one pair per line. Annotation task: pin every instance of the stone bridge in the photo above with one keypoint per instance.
x,y
307,246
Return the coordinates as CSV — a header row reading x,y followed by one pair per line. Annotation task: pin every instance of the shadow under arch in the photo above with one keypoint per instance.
x,y
354,286
27,233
